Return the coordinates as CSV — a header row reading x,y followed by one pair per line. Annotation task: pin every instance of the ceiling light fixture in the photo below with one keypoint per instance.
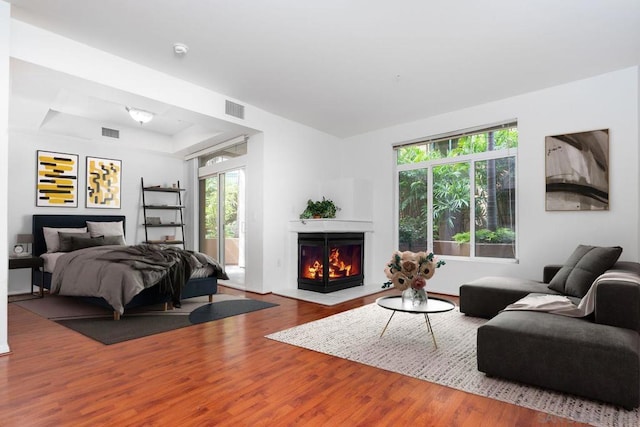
x,y
140,116
180,49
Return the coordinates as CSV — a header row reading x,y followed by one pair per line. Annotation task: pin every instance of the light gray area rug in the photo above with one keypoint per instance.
x,y
407,348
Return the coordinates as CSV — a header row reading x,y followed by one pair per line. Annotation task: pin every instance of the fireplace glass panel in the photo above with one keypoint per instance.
x,y
330,261
343,261
311,262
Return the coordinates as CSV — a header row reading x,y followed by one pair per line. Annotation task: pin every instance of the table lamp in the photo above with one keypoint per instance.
x,y
23,245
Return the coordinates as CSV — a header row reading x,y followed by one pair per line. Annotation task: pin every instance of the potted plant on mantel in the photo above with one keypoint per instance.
x,y
324,208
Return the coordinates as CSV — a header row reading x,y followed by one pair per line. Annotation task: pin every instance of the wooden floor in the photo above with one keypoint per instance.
x,y
222,373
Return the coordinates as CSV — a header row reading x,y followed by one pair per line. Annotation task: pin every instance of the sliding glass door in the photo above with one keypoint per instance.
x,y
222,220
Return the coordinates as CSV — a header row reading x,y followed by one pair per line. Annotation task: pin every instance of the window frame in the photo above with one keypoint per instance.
x,y
471,159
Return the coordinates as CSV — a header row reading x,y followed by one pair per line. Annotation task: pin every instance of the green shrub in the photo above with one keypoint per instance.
x,y
484,236
464,237
505,235
501,235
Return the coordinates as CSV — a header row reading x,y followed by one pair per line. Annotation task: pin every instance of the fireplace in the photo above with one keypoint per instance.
x,y
329,262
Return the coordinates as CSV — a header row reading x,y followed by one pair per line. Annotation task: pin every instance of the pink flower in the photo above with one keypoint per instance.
x,y
419,282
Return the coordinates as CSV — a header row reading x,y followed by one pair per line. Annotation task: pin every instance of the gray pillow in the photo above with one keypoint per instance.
x,y
583,267
65,238
114,240
85,242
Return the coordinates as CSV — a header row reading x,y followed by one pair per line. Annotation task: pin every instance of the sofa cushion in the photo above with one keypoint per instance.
x,y
584,266
487,296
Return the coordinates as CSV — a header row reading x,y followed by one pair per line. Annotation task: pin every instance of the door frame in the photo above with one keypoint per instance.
x,y
219,170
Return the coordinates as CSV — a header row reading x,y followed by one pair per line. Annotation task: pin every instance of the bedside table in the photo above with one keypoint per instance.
x,y
35,263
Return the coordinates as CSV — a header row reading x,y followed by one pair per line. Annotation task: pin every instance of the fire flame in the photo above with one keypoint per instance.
x,y
337,267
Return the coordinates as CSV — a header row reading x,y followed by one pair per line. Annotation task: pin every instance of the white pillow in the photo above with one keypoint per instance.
x,y
52,239
108,228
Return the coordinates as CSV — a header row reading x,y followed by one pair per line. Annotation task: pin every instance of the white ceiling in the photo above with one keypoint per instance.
x,y
43,100
352,66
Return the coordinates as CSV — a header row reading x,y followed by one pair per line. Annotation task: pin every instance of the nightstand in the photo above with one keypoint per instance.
x,y
35,263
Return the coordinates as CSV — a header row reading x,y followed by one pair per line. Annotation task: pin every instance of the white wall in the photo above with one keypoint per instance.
x,y
608,101
297,161
155,168
4,161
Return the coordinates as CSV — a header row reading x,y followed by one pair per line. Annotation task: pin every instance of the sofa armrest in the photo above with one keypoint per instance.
x,y
617,303
549,271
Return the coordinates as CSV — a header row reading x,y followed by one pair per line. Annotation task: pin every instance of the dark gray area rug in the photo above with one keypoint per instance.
x,y
97,323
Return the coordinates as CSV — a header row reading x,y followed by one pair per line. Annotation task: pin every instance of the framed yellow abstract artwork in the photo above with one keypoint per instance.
x,y
103,183
57,181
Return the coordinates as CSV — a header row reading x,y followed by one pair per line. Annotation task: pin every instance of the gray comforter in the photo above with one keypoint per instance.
x,y
117,273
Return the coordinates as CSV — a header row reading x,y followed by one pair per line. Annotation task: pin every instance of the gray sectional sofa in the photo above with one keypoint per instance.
x,y
597,356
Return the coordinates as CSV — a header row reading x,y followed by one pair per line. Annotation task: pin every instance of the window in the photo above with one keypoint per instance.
x,y
223,154
457,193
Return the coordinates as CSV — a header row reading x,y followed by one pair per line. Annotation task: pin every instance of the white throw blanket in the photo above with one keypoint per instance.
x,y
560,304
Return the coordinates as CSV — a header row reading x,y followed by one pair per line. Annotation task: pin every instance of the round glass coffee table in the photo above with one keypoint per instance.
x,y
432,306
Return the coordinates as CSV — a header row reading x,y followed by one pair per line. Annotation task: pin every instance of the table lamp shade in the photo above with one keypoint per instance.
x,y
24,238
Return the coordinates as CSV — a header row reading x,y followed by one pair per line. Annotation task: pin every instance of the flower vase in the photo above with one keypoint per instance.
x,y
420,297
414,296
407,296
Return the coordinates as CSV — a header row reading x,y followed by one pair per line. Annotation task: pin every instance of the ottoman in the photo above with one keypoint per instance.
x,y
572,355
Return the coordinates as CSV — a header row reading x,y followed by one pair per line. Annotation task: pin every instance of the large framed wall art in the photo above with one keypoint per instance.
x,y
577,171
57,180
103,183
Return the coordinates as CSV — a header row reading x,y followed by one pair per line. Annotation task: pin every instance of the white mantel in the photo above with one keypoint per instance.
x,y
332,225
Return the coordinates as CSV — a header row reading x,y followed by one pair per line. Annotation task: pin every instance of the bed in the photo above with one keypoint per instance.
x,y
196,285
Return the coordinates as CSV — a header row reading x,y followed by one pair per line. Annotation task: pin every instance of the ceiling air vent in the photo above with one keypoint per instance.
x,y
110,133
233,109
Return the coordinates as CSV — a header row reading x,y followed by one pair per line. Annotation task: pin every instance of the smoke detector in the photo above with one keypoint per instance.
x,y
180,49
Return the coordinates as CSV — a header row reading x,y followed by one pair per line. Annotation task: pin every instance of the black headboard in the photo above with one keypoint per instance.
x,y
65,221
